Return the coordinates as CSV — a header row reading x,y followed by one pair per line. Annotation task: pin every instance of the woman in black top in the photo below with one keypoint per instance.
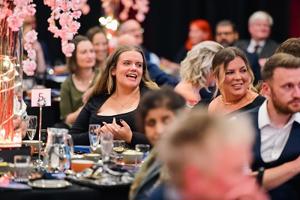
x,y
116,97
234,79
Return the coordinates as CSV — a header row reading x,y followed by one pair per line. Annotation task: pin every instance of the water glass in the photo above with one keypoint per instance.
x,y
144,148
31,122
106,145
94,136
22,168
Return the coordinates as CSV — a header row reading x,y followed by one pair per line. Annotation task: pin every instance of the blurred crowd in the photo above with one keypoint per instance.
x,y
222,117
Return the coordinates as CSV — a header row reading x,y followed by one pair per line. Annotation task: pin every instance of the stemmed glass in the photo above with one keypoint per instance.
x,y
31,122
94,136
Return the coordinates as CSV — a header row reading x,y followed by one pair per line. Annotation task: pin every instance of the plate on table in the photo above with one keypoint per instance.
x,y
49,184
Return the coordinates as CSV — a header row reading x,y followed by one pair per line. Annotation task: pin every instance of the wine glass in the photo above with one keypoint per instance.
x,y
31,122
94,136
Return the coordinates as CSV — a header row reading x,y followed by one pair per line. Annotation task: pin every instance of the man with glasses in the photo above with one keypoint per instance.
x,y
226,33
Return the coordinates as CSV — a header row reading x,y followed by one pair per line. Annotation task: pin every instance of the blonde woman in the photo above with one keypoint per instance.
x,y
195,71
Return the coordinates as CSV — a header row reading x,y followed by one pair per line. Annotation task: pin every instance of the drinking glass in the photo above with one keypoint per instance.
x,y
31,122
106,145
94,136
22,168
144,148
119,146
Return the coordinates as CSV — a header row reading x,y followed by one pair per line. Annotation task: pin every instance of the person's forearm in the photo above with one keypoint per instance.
x,y
276,176
71,118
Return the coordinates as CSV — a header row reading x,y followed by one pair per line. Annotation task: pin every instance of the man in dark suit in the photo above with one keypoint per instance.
x,y
259,27
277,124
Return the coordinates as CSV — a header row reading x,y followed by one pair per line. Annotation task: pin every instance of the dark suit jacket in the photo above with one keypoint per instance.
x,y
267,50
290,189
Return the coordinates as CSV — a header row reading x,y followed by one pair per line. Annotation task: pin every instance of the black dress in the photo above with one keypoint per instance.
x,y
88,115
258,101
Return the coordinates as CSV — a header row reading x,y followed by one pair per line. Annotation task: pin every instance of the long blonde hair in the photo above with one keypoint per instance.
x,y
196,66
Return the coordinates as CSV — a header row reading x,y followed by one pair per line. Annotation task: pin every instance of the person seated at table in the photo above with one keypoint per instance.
x,y
98,38
82,74
234,79
195,71
116,97
134,28
206,158
157,110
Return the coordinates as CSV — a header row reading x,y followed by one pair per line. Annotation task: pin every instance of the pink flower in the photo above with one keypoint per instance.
x,y
65,11
76,14
32,54
65,34
74,26
29,67
68,48
65,19
31,36
14,22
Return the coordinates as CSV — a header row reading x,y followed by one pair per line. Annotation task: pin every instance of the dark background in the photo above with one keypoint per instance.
x,y
166,24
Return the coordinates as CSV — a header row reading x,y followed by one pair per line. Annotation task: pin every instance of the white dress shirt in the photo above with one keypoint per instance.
x,y
273,139
253,44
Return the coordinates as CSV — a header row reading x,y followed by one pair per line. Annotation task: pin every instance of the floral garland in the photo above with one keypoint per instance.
x,y
29,65
15,20
141,6
65,12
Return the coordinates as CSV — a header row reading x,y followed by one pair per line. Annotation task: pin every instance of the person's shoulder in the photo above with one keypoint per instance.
x,y
259,100
158,193
67,82
271,42
242,44
214,104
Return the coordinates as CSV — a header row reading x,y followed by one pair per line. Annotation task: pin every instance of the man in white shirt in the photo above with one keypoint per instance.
x,y
277,121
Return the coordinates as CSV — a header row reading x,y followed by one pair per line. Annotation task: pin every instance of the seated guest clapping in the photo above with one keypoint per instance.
x,y
116,97
234,79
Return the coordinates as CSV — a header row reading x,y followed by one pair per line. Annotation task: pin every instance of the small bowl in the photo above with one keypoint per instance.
x,y
132,157
80,165
92,156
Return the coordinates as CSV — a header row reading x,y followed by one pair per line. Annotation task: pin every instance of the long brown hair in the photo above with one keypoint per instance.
x,y
222,59
107,83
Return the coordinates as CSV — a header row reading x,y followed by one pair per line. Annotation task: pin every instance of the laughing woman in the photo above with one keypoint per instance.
x,y
234,79
116,97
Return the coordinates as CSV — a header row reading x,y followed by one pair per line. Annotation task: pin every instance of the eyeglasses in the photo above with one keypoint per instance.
x,y
224,33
